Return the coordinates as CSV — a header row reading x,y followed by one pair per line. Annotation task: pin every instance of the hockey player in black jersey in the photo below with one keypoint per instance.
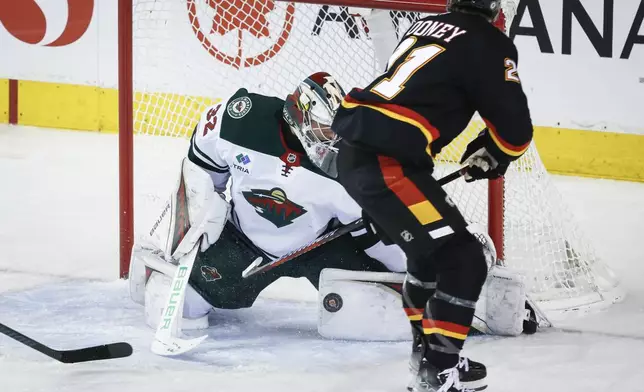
x,y
445,68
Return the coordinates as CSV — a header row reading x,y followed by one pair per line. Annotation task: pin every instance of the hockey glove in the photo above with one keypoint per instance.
x,y
484,159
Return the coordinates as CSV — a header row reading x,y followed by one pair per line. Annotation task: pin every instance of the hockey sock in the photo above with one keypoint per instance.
x,y
416,293
449,312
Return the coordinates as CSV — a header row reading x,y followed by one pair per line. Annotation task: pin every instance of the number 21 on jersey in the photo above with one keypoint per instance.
x,y
388,88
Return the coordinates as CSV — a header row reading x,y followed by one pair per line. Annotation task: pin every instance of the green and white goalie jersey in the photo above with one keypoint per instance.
x,y
280,200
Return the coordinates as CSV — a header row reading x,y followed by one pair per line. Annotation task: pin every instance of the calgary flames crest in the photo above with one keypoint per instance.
x,y
241,33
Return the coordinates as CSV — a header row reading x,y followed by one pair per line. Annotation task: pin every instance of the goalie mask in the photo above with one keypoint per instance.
x,y
309,112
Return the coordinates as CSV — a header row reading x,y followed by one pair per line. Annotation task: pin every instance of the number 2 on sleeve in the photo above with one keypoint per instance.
x,y
511,71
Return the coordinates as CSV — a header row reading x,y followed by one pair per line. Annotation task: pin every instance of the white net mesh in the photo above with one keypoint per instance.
x,y
191,53
509,8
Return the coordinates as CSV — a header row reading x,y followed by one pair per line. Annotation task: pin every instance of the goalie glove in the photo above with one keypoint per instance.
x,y
484,159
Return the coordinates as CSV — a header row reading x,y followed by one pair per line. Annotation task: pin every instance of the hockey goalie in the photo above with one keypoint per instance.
x,y
277,157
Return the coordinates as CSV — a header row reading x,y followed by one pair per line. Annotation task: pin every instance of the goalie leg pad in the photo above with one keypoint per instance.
x,y
358,305
195,308
501,307
137,276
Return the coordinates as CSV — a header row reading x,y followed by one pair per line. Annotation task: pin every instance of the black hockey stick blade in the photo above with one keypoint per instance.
x,y
96,353
257,267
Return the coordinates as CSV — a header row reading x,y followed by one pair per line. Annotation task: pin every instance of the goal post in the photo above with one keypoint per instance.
x,y
176,57
125,136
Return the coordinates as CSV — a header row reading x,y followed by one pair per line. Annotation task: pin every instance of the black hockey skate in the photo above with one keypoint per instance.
x,y
431,379
472,374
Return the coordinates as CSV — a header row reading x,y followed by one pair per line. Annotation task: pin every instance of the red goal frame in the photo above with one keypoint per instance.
x,y
126,123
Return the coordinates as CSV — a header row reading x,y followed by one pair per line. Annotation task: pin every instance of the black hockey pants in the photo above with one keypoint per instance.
x,y
446,268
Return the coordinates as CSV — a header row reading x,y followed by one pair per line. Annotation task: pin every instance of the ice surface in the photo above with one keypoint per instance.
x,y
59,263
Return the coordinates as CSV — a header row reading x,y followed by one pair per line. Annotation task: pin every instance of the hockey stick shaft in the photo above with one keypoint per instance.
x,y
255,267
95,353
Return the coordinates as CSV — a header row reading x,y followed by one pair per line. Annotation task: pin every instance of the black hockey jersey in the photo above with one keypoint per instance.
x,y
445,68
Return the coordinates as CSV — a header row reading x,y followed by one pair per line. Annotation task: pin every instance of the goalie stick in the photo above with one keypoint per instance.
x,y
95,353
256,266
167,338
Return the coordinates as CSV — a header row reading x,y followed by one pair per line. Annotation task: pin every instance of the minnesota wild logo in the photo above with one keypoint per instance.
x,y
273,205
210,274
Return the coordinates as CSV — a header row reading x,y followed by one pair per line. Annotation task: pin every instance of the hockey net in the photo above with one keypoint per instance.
x,y
188,54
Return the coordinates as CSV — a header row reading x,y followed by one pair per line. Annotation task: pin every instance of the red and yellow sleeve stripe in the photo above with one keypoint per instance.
x,y
507,148
445,328
399,113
